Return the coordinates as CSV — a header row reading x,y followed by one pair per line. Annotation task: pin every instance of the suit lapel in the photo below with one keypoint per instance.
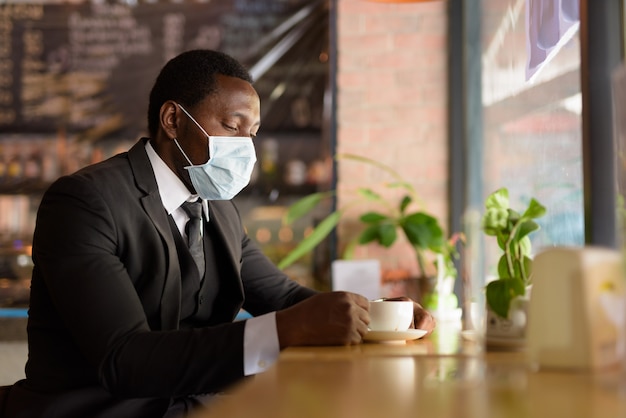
x,y
152,204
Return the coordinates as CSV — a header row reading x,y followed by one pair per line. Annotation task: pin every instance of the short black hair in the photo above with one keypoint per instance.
x,y
190,77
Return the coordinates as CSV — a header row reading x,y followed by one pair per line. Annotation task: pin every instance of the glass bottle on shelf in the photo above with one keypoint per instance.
x,y
15,167
3,165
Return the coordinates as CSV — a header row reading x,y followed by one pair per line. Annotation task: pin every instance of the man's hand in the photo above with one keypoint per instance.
x,y
422,319
332,318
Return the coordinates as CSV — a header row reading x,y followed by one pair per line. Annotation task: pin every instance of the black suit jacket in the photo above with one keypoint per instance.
x,y
106,297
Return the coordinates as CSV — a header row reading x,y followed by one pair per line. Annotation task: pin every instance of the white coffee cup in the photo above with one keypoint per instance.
x,y
390,315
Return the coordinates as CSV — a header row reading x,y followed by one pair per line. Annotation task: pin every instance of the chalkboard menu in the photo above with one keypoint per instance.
x,y
87,67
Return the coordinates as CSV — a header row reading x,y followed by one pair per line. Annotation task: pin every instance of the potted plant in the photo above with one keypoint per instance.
x,y
422,230
514,269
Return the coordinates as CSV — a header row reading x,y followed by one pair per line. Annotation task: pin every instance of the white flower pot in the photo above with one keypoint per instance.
x,y
514,326
509,332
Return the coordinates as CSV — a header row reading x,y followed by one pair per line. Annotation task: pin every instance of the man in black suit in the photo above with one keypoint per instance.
x,y
123,321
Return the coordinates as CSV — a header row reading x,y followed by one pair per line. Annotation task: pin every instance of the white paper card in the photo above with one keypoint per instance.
x,y
357,276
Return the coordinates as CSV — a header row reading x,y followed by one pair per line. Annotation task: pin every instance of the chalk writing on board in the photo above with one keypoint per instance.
x,y
86,67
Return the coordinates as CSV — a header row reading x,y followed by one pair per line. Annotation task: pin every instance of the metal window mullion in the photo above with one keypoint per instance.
x,y
600,40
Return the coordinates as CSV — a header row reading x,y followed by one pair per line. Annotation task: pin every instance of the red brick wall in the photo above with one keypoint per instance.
x,y
392,107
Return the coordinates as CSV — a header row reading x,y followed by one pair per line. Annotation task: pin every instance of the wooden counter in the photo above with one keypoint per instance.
x,y
433,377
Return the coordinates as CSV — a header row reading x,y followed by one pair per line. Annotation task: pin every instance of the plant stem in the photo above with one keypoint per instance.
x,y
519,256
522,268
507,250
421,263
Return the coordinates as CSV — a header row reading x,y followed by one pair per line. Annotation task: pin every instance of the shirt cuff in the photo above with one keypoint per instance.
x,y
260,344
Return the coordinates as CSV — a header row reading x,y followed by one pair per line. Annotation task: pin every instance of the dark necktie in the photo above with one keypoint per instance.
x,y
194,233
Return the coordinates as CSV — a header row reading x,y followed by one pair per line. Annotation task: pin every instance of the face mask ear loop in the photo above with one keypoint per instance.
x,y
182,152
193,120
208,137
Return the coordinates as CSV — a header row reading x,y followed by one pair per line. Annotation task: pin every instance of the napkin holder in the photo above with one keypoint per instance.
x,y
577,309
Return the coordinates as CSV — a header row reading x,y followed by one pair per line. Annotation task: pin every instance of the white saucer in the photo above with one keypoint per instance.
x,y
409,334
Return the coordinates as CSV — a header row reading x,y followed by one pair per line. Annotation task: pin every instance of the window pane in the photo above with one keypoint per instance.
x,y
533,127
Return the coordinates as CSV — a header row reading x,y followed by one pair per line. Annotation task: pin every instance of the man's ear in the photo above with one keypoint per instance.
x,y
168,118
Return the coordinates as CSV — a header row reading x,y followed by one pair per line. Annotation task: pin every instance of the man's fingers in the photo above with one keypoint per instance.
x,y
361,301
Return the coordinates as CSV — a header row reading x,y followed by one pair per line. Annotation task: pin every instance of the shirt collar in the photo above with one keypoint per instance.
x,y
172,190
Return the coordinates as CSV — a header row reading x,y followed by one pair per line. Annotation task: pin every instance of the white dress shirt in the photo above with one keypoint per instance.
x,y
260,339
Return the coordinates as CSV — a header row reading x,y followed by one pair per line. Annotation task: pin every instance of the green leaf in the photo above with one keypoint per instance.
x,y
406,201
498,199
525,245
495,220
500,293
303,206
373,217
528,267
385,234
422,230
502,237
312,240
526,228
417,234
535,209
503,269
437,241
369,234
513,217
369,194
416,229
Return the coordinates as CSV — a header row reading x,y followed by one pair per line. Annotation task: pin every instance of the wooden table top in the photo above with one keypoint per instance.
x,y
438,376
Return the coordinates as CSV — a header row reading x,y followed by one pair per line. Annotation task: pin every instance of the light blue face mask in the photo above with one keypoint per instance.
x,y
228,170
